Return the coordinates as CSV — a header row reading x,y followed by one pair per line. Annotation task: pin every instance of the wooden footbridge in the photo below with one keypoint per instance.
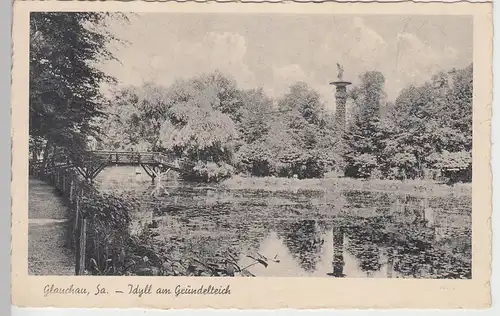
x,y
90,163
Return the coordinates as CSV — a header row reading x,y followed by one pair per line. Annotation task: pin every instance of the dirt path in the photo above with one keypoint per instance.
x,y
47,250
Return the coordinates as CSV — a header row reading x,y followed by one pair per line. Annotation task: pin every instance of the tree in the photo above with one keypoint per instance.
x,y
413,138
196,129
461,105
64,81
124,127
254,115
303,100
311,153
267,156
429,121
229,99
296,139
363,137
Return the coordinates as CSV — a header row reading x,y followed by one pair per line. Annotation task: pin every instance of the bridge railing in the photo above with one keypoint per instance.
x,y
124,157
141,157
133,157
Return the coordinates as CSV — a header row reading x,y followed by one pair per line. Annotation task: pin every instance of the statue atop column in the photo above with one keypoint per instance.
x,y
340,72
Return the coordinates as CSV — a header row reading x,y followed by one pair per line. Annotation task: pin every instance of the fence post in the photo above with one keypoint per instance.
x,y
77,236
64,183
71,190
77,216
83,244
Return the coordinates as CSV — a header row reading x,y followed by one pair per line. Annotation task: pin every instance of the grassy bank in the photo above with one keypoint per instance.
x,y
414,187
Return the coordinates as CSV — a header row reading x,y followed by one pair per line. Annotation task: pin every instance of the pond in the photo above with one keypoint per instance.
x,y
333,232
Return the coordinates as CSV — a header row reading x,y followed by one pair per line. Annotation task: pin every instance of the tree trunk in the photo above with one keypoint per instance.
x,y
54,153
48,146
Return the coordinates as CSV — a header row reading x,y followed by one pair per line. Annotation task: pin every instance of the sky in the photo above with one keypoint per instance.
x,y
273,51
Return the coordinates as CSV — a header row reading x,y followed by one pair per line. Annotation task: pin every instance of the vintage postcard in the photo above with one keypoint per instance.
x,y
193,155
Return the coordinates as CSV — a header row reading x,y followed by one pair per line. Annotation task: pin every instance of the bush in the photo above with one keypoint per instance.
x,y
255,159
259,161
360,165
305,165
108,222
211,171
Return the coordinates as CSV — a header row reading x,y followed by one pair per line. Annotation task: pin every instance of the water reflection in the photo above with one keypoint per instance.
x,y
336,234
338,252
304,240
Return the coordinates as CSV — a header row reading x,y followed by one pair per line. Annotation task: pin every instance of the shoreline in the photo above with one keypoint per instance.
x,y
413,187
330,183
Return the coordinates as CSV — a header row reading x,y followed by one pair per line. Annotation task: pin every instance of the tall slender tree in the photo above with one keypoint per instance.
x,y
363,136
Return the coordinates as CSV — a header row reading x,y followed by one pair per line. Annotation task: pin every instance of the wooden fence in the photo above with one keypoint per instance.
x,y
72,188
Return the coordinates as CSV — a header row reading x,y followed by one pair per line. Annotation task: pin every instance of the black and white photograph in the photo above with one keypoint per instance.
x,y
250,145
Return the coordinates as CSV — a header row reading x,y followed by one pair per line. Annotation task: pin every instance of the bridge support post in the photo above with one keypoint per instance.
x,y
149,171
91,172
98,170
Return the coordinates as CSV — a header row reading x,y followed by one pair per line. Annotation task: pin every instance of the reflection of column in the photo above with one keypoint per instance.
x,y
390,262
338,252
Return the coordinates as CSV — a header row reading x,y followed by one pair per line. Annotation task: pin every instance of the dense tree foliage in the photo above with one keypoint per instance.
x,y
217,126
429,127
254,116
64,82
431,121
363,137
196,128
194,119
223,129
300,139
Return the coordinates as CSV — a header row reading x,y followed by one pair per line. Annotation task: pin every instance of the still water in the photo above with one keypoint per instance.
x,y
308,233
